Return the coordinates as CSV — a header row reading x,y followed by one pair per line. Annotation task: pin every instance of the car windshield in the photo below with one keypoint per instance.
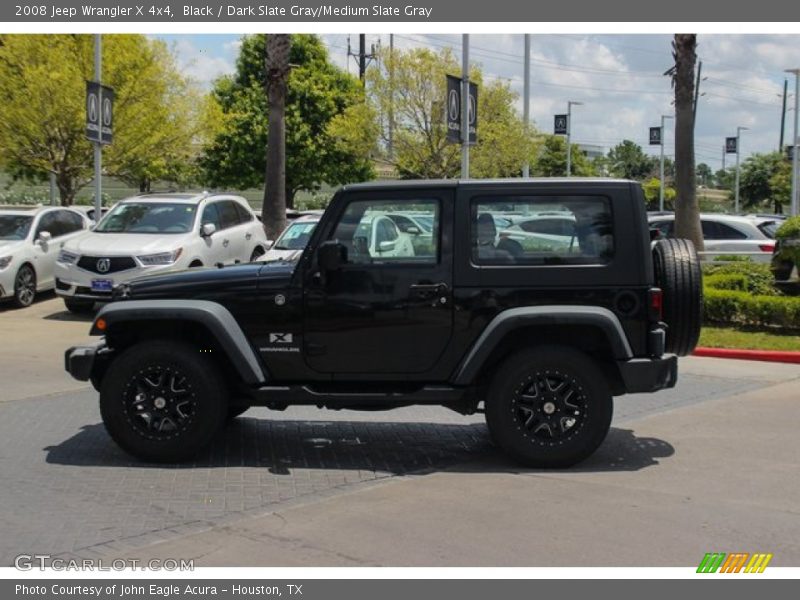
x,y
768,228
295,237
14,227
148,217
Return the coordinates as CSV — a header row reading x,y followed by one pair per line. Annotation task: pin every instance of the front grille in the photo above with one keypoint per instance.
x,y
116,263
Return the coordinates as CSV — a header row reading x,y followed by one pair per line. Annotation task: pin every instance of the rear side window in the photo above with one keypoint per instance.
x,y
228,214
712,230
245,216
541,230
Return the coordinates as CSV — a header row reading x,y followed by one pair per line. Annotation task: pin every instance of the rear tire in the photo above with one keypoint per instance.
x,y
549,407
163,401
678,274
78,306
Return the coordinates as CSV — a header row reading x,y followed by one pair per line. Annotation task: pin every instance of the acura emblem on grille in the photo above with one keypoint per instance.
x,y
103,265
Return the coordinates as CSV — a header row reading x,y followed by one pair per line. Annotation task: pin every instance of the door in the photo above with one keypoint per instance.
x,y
62,225
217,245
388,309
234,232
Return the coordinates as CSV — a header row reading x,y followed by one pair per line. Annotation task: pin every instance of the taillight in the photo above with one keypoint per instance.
x,y
656,297
767,247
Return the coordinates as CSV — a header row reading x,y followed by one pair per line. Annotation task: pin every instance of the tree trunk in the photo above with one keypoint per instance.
x,y
687,210
277,68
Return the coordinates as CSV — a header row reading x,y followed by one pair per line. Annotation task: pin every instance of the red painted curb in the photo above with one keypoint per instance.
x,y
762,355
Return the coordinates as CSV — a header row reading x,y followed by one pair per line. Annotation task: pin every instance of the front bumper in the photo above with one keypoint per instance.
x,y
75,282
79,361
641,375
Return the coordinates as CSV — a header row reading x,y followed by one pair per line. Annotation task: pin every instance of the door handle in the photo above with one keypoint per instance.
x,y
430,291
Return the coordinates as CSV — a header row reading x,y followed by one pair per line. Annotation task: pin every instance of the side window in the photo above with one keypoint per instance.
x,y
228,214
49,224
541,230
372,233
70,221
245,216
726,232
710,230
665,227
211,215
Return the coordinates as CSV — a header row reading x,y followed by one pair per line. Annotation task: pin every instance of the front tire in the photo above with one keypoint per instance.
x,y
549,407
163,401
24,287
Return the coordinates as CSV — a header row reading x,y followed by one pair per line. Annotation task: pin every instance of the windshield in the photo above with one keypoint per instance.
x,y
148,217
14,227
295,237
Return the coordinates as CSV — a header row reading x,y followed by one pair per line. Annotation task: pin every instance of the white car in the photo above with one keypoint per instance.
x,y
154,233
377,237
30,241
728,234
291,243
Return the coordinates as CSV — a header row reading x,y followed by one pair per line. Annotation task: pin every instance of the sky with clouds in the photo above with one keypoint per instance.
x,y
619,78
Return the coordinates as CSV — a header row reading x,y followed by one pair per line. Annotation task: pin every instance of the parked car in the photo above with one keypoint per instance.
x,y
291,243
30,241
90,212
729,234
154,233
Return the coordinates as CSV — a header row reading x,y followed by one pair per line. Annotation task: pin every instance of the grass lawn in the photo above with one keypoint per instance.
x,y
749,338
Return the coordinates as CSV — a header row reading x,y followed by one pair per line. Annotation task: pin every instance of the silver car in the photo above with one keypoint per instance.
x,y
728,234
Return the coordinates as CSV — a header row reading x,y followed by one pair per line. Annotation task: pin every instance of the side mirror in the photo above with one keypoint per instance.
x,y
386,246
331,255
44,238
270,244
208,229
413,230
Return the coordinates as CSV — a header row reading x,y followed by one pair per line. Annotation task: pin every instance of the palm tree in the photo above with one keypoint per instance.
x,y
276,60
687,211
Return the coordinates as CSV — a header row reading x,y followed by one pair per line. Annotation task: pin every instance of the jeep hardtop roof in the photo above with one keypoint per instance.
x,y
511,182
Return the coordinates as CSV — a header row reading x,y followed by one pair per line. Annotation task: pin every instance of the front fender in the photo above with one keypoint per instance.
x,y
215,317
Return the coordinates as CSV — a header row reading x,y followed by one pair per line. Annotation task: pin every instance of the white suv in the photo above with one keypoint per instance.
x,y
153,233
30,240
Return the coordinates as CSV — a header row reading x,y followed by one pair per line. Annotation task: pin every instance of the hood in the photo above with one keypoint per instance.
x,y
208,283
285,255
124,244
10,246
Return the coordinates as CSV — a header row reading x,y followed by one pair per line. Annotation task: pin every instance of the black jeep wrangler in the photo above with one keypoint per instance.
x,y
534,301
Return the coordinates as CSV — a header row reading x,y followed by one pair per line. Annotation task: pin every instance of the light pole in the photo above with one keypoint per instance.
x,y
661,190
465,106
570,104
793,205
526,106
739,131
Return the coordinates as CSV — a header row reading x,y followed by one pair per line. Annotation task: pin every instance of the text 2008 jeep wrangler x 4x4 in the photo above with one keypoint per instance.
x,y
535,301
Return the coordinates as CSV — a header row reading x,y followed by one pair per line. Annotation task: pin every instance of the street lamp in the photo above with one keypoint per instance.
x,y
661,190
570,104
793,204
739,131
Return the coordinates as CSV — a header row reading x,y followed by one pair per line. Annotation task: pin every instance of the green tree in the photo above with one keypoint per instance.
x,y
42,110
704,175
552,160
412,88
762,180
628,161
723,179
322,143
652,193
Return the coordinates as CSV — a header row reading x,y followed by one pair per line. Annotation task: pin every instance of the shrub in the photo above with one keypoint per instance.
x,y
727,281
789,229
758,275
730,306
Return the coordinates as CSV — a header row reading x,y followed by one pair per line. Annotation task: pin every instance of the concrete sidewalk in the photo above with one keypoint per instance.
x,y
722,476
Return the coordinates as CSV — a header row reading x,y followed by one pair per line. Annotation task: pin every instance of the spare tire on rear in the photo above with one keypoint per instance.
x,y
678,274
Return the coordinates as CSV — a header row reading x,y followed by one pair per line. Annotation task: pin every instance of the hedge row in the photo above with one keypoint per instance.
x,y
731,306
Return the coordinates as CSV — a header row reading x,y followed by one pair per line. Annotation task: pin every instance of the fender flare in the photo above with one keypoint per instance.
x,y
215,317
509,320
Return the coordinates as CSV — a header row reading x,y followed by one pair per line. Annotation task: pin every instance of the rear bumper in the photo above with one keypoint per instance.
x,y
641,375
79,361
